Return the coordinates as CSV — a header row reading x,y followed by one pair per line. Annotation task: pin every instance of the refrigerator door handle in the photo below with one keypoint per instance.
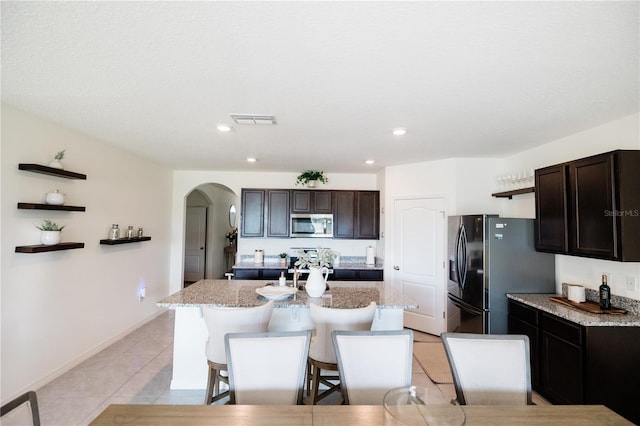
x,y
461,257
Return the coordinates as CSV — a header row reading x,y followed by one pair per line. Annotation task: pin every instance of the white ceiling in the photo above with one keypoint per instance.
x,y
467,79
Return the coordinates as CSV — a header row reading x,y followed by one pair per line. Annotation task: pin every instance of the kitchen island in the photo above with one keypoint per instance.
x,y
189,361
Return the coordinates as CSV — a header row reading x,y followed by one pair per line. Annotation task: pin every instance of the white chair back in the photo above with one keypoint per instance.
x,y
21,411
489,369
267,368
221,320
372,362
328,319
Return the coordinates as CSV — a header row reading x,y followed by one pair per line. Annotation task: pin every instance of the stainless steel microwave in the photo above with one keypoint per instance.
x,y
311,225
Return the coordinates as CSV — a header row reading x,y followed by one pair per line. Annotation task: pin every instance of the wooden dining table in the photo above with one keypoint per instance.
x,y
345,415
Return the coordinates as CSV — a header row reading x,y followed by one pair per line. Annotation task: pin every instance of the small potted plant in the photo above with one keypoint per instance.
x,y
283,259
232,236
310,177
50,232
55,163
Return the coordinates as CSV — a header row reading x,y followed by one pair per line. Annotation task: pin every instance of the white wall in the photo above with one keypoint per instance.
x,y
619,134
60,307
185,181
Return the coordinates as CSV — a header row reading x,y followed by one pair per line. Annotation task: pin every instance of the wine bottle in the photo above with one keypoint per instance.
x,y
605,294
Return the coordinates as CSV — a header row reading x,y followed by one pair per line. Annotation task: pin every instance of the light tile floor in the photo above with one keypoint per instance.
x,y
137,370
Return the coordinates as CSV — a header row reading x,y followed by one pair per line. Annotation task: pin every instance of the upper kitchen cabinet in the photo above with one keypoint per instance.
x,y
311,201
367,223
265,209
277,213
252,214
591,207
356,215
551,209
343,214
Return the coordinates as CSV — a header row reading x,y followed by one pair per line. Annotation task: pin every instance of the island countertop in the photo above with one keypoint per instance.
x,y
241,293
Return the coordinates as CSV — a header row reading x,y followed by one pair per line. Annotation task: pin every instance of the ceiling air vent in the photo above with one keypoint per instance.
x,y
253,119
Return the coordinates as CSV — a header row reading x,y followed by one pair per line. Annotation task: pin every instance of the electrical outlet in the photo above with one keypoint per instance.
x,y
631,284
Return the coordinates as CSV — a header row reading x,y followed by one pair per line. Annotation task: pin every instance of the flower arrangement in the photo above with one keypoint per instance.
x,y
283,255
309,175
48,225
59,155
309,259
232,235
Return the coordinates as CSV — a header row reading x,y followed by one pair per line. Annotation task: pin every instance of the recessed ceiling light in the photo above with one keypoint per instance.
x,y
399,131
369,161
223,127
251,160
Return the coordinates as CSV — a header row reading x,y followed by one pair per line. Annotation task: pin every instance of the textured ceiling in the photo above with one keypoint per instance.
x,y
467,79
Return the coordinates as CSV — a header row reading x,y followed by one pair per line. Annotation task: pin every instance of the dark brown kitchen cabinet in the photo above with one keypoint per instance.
x,y
523,319
551,209
590,207
278,213
311,201
367,219
357,275
576,364
561,360
356,214
343,214
265,209
259,273
252,213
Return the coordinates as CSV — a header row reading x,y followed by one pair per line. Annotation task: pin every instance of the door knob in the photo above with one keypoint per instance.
x,y
201,248
397,268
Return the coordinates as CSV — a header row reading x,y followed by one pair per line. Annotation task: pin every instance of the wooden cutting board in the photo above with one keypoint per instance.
x,y
591,307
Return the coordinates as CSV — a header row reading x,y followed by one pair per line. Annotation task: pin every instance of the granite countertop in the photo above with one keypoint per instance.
x,y
543,303
241,293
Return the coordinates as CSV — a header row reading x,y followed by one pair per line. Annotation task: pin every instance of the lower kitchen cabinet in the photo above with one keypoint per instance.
x,y
337,275
576,364
357,275
259,273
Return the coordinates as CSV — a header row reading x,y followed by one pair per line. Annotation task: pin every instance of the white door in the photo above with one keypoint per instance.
x,y
419,253
194,244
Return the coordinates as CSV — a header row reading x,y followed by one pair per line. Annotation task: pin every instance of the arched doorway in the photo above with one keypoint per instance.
x,y
206,227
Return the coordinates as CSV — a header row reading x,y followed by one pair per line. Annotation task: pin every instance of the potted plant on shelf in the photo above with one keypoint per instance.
x,y
283,259
55,163
50,232
310,177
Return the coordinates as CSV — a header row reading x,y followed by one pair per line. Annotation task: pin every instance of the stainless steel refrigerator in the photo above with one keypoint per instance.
x,y
490,256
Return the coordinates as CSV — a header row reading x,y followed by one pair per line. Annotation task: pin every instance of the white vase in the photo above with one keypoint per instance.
x,y
311,184
316,282
55,198
50,238
55,164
